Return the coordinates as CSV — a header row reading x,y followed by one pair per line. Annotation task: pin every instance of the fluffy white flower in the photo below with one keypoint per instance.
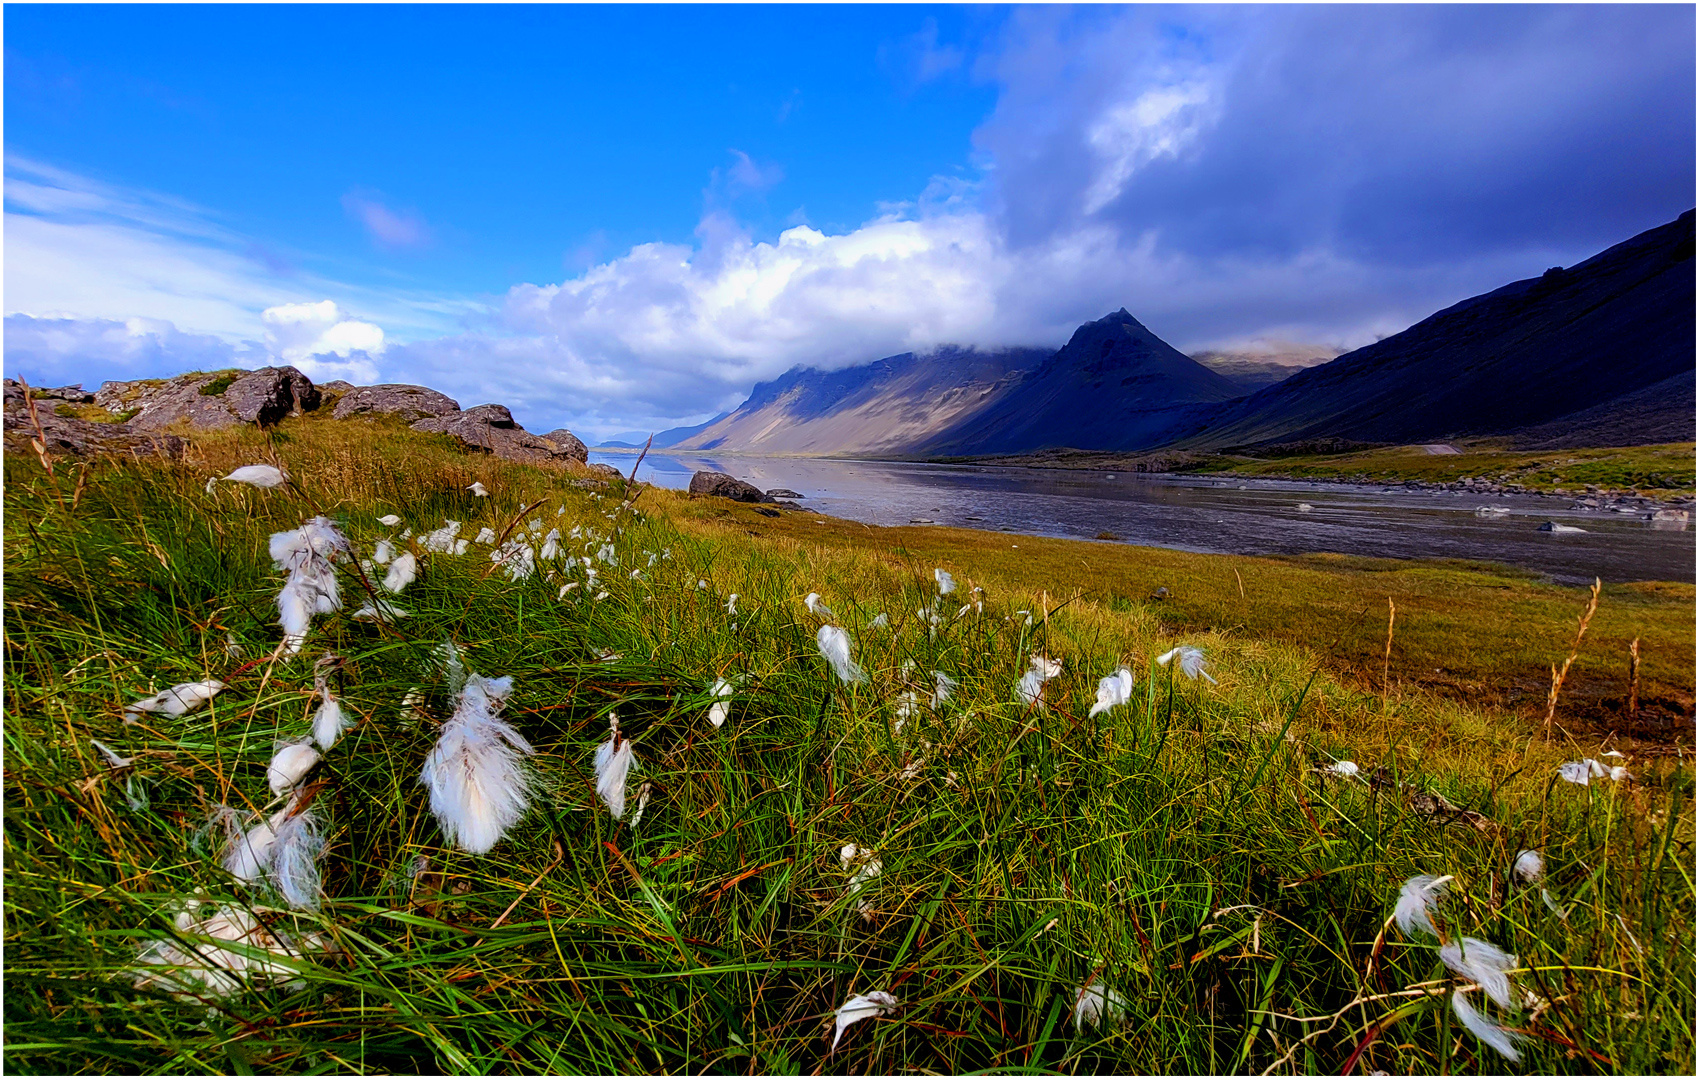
x,y
644,791
1418,897
721,709
264,476
383,609
295,860
191,971
1343,768
1490,1033
1483,963
1031,689
517,560
443,539
864,868
613,763
859,1008
1580,772
329,723
812,602
179,699
943,685
946,583
1529,867
247,854
477,488
732,604
382,552
390,519
1113,690
402,572
1099,1002
1191,661
834,645
485,535
476,773
289,764
879,622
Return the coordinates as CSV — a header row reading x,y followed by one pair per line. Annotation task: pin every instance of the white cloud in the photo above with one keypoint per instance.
x,y
323,342
394,229
1160,122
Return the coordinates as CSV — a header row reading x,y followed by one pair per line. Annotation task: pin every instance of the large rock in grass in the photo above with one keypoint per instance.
x,y
570,444
74,425
409,402
493,430
210,400
722,486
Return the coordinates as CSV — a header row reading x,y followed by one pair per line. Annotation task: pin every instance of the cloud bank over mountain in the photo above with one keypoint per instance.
x,y
1313,174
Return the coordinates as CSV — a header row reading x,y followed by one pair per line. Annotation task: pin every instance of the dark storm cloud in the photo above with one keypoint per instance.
x,y
1398,136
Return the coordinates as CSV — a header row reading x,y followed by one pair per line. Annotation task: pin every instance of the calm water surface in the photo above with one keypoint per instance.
x,y
1239,516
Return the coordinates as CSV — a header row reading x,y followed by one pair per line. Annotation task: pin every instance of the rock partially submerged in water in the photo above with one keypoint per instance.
x,y
722,486
1555,527
1492,511
783,493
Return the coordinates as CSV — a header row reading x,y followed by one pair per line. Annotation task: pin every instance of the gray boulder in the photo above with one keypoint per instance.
x,y
606,471
569,444
210,400
719,485
394,399
492,430
69,435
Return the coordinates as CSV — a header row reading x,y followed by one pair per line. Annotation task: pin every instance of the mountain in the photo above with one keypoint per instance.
x,y
1255,369
634,440
884,408
1114,386
1536,352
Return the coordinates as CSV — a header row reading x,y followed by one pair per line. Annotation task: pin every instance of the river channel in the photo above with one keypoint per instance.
x,y
1234,515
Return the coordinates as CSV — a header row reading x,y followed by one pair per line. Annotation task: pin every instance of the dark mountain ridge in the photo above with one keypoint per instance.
x,y
1527,353
1114,381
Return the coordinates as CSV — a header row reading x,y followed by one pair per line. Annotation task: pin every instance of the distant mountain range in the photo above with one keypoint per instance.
x,y
1602,353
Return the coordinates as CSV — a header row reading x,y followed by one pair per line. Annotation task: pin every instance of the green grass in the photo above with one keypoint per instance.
x,y
1180,847
1662,470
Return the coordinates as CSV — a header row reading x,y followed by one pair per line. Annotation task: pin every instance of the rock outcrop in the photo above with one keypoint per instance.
x,y
71,435
719,485
569,444
409,402
124,416
212,400
492,429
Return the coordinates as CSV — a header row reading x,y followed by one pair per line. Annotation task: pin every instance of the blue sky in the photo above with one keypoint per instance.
x,y
618,218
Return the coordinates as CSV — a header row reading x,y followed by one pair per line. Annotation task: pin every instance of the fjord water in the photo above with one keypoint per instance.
x,y
1232,515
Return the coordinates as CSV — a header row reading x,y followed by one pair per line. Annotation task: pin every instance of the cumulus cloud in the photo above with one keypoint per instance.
x,y
61,351
323,342
1293,174
388,228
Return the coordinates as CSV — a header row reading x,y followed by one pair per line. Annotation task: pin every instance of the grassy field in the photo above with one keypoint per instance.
x,y
1664,471
1182,848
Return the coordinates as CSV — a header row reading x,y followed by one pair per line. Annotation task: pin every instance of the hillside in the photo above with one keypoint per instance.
x,y
1114,385
883,408
1533,352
